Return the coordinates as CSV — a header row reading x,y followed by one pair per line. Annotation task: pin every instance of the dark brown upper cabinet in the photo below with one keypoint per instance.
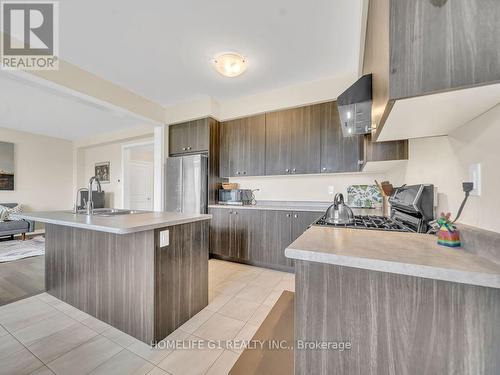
x,y
338,153
415,48
199,136
243,147
292,142
189,137
384,151
304,140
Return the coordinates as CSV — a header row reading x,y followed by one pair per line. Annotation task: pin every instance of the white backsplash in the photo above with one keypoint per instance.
x,y
305,187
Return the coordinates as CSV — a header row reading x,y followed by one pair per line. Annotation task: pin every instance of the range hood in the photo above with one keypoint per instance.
x,y
355,107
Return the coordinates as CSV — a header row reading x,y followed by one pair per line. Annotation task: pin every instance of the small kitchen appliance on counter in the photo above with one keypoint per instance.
x,y
236,197
412,211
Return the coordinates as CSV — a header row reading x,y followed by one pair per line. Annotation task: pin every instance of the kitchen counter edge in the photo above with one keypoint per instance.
x,y
435,272
117,224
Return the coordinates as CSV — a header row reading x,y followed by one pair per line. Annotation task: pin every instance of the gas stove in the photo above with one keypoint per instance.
x,y
412,211
369,222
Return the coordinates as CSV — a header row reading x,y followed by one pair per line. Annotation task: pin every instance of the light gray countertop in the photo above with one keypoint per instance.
x,y
295,206
120,224
395,252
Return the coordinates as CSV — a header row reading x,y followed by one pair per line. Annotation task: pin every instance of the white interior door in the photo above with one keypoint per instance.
x,y
140,185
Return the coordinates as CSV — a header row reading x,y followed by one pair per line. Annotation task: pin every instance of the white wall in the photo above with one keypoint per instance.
x,y
43,171
304,187
103,153
287,97
444,161
113,154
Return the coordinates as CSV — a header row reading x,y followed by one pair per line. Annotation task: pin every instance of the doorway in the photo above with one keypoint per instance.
x,y
138,176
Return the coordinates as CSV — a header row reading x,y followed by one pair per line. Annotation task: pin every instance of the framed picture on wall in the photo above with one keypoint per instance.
x,y
6,166
102,172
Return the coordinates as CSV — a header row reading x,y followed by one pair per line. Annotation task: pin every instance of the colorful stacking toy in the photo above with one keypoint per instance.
x,y
448,234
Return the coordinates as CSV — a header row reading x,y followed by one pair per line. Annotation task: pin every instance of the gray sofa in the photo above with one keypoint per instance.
x,y
12,227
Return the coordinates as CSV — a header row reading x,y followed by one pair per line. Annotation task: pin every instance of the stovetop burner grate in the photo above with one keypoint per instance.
x,y
369,222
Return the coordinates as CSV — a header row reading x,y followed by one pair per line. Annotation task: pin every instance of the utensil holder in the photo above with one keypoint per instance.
x,y
386,206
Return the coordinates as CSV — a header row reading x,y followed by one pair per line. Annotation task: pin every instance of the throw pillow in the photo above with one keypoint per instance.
x,y
3,213
6,212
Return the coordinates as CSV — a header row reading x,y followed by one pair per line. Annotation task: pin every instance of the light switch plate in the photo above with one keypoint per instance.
x,y
164,238
475,178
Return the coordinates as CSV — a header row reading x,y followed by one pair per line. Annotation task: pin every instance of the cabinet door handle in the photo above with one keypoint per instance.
x,y
294,170
244,172
184,149
361,162
287,170
288,215
237,172
235,212
296,216
189,148
324,169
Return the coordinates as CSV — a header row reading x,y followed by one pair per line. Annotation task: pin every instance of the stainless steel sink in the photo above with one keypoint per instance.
x,y
114,212
111,212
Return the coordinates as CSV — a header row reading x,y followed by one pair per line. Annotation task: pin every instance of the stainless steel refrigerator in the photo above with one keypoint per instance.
x,y
187,184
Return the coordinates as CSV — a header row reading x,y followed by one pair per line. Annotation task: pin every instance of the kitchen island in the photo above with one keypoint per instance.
x,y
405,304
144,273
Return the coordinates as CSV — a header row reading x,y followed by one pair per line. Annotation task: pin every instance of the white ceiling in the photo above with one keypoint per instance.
x,y
26,106
162,49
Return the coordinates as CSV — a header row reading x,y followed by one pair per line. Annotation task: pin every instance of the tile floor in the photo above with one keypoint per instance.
x,y
42,335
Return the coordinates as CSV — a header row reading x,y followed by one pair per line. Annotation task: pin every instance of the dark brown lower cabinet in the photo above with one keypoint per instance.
x,y
244,233
257,237
277,235
301,220
219,231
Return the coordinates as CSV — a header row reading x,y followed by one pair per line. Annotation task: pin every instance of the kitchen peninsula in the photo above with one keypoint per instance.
x,y
407,305
144,273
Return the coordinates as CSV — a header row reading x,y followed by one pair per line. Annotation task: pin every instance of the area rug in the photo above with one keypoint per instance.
x,y
15,250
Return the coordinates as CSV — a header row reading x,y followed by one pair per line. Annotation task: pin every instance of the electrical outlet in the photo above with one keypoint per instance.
x,y
164,238
475,178
331,190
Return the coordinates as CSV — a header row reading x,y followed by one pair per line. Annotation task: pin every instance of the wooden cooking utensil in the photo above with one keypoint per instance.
x,y
380,188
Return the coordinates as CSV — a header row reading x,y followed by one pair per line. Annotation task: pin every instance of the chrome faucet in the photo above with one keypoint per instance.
x,y
90,202
77,203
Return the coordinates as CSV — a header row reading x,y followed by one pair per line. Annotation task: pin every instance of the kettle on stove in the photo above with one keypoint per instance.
x,y
339,212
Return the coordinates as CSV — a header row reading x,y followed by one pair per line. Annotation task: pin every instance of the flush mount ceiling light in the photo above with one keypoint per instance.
x,y
230,64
